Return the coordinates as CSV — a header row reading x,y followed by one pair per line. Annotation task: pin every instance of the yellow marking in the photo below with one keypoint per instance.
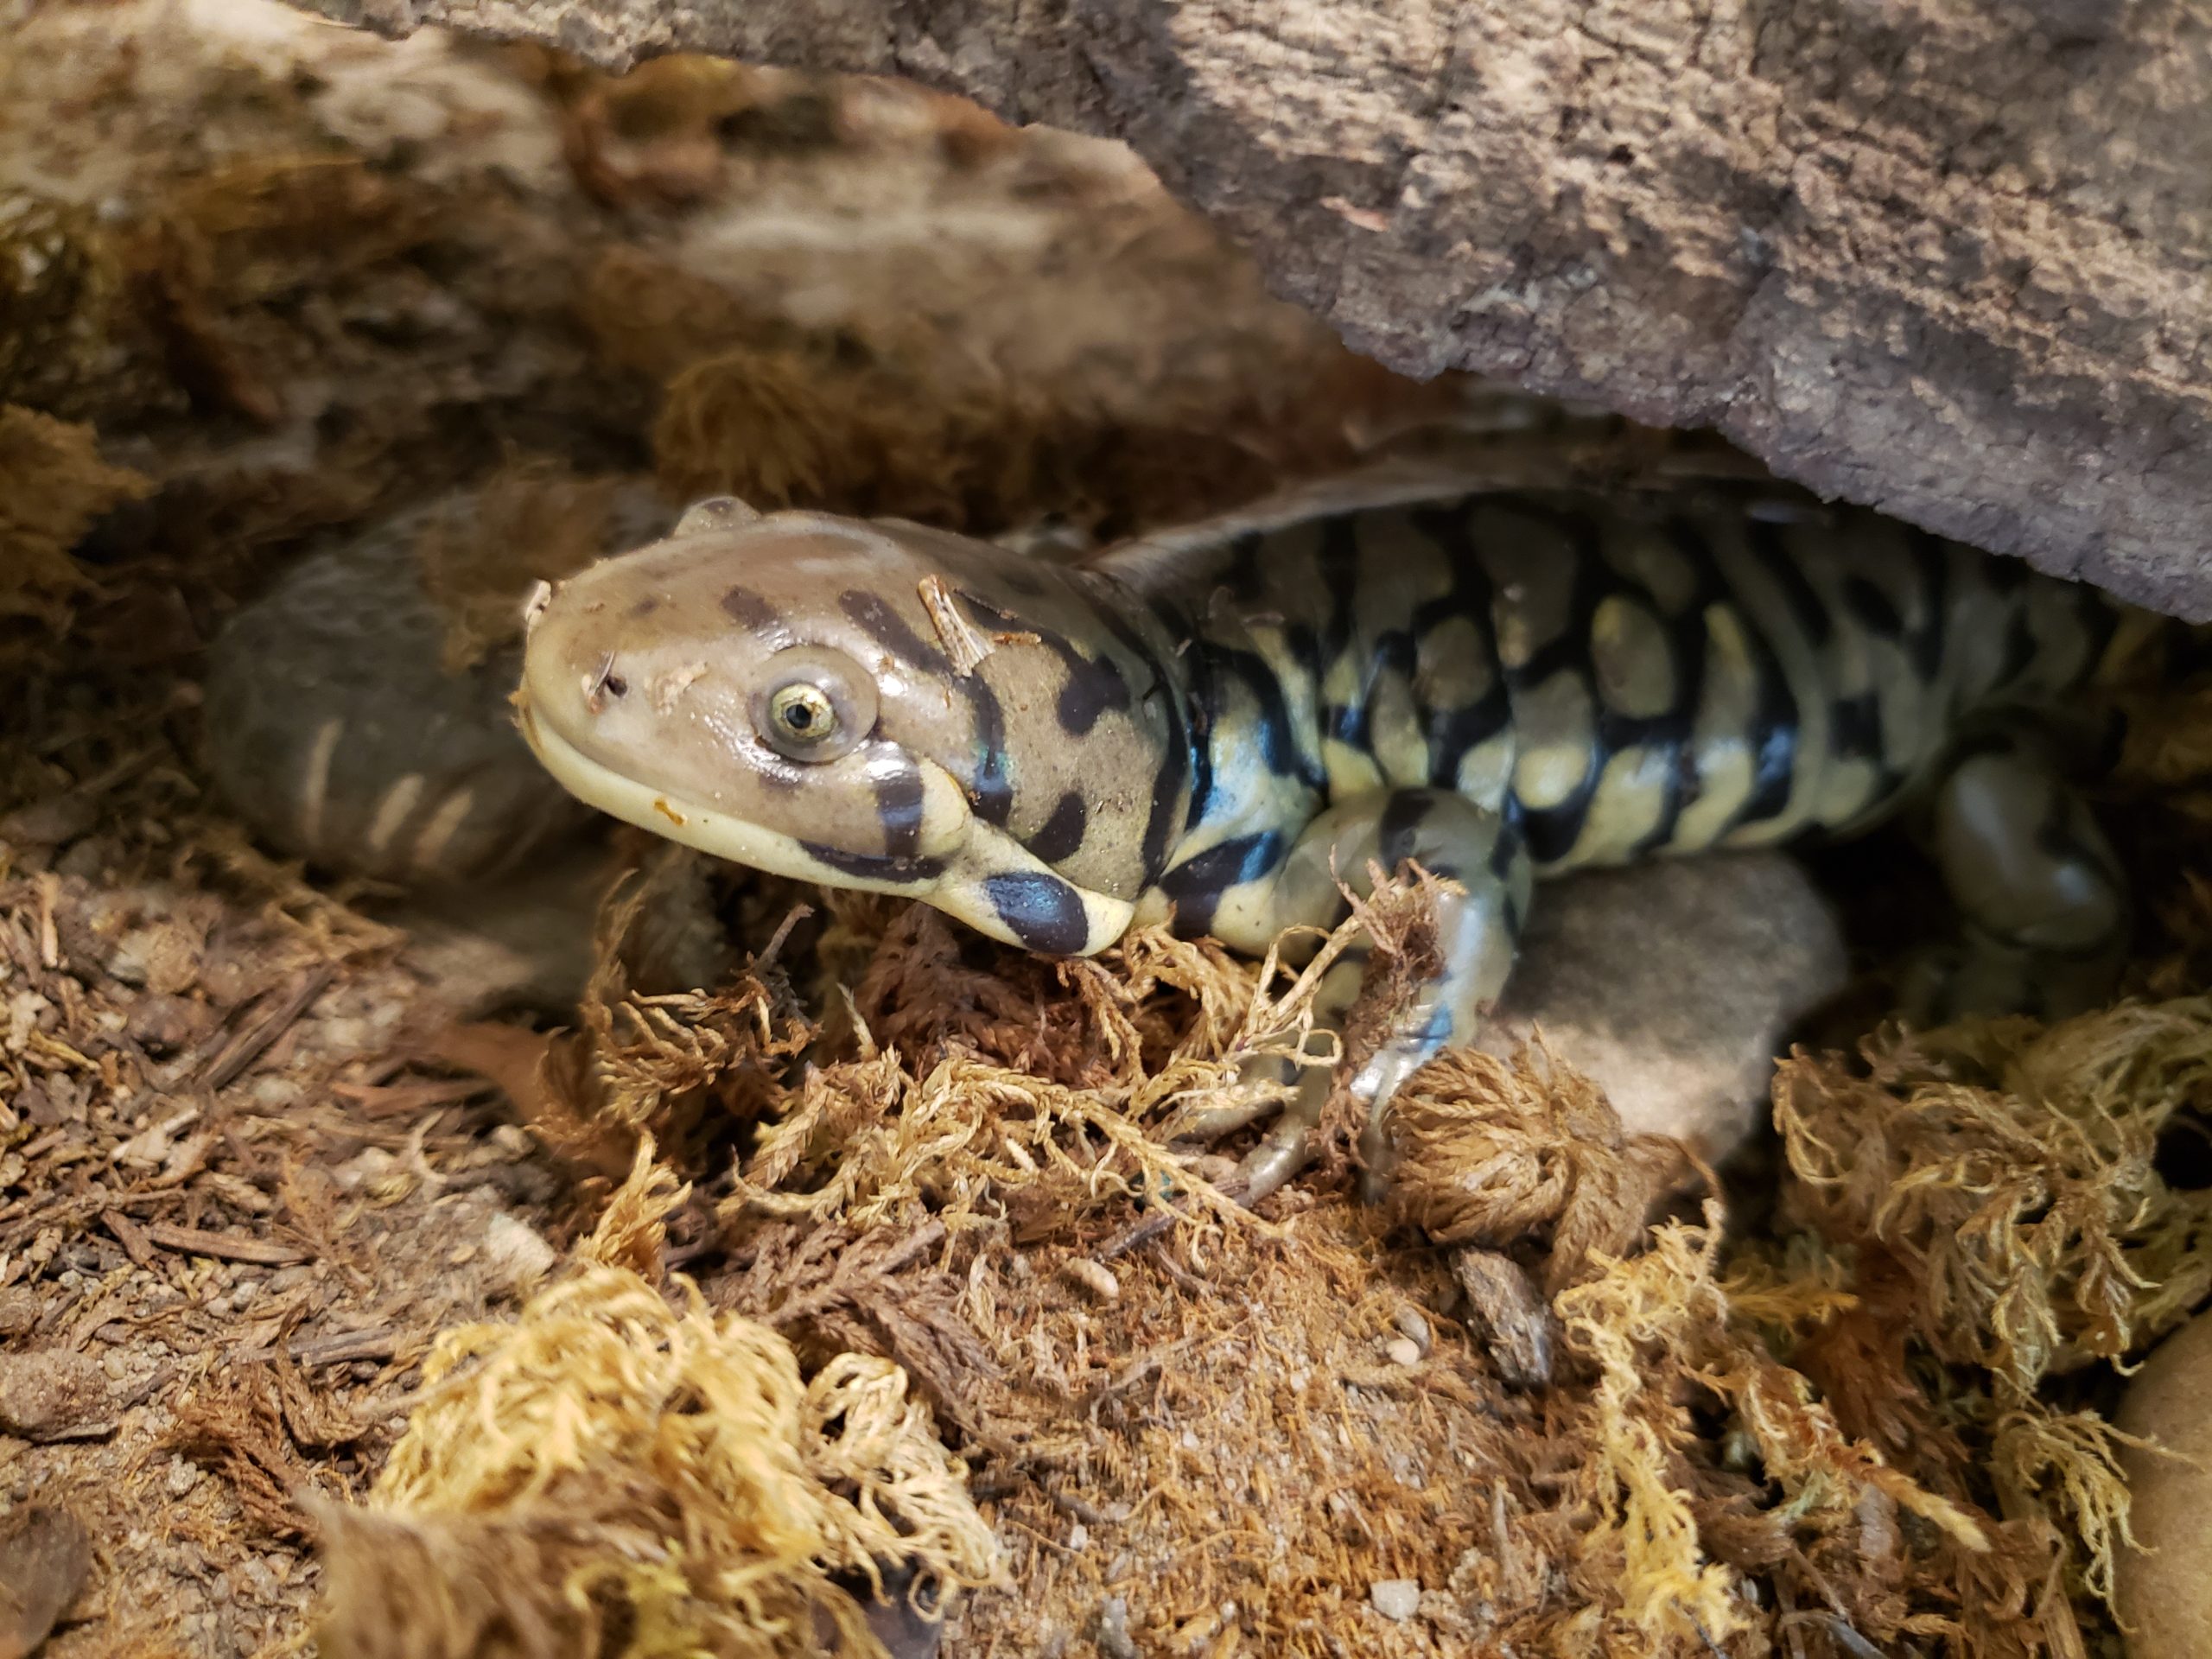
x,y
314,789
1484,771
1451,668
1627,805
1629,659
661,806
1548,776
430,845
1846,788
1721,741
1555,721
396,808
1641,554
1401,750
1351,769
1725,784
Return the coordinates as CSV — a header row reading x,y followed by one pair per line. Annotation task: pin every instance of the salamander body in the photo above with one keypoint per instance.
x,y
1498,687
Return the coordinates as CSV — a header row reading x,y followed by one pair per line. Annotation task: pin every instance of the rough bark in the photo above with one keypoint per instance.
x,y
1948,257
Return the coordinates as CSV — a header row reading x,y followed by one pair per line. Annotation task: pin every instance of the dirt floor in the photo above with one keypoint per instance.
x,y
672,1321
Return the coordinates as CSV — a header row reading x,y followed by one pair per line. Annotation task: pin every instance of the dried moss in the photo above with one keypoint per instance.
x,y
614,1475
2013,1171
53,484
939,1190
63,322
534,520
1525,1153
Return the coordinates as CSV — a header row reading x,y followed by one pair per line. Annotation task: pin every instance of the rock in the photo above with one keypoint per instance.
x,y
1395,1599
45,1558
1947,261
1672,984
165,1023
2165,1590
55,1395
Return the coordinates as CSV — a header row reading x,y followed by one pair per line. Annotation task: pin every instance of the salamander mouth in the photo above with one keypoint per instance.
x,y
990,880
675,817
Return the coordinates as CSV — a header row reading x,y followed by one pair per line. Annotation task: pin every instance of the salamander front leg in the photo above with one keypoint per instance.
x,y
1447,835
2043,902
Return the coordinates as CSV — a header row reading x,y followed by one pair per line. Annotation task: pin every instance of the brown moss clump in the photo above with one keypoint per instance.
x,y
781,427
1994,1200
614,1474
61,287
1528,1153
53,485
534,520
2013,1173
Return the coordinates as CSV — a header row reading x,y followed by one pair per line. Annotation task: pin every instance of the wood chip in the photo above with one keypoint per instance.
x,y
408,1099
965,644
227,1247
342,1348
49,940
962,643
1515,1324
247,1047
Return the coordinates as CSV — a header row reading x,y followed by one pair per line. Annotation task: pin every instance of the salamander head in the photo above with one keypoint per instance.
x,y
869,705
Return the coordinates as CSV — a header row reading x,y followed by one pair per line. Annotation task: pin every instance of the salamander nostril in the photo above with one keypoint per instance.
x,y
603,683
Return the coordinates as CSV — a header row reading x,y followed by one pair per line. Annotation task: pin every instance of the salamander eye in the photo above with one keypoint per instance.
x,y
815,704
802,714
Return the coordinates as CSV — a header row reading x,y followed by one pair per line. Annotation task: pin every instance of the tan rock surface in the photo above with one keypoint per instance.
x,y
1672,984
2166,1596
1952,261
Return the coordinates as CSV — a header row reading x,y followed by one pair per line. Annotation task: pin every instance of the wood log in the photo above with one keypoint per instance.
x,y
1951,258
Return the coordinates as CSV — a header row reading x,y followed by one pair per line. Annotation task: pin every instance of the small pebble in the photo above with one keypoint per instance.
x,y
19,1310
275,1093
1413,1328
1397,1599
1403,1352
1113,1635
514,1253
1078,1537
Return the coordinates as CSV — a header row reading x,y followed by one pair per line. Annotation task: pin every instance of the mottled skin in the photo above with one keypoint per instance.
x,y
1499,688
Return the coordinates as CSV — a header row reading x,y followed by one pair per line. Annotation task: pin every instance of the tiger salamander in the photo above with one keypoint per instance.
x,y
1498,687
